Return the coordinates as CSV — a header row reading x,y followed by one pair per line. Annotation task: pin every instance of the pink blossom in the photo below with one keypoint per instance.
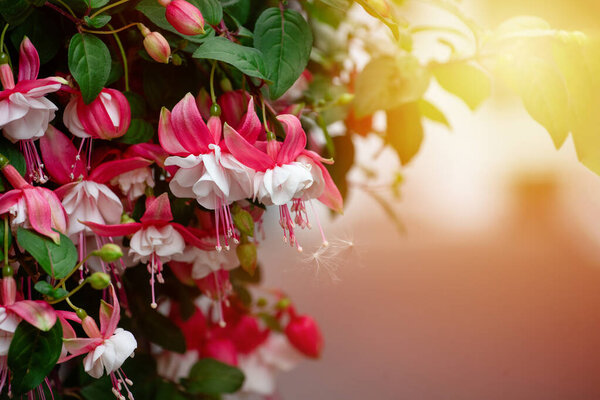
x,y
184,17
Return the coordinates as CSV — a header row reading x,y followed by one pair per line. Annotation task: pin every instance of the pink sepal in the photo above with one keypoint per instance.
x,y
109,315
79,346
60,155
295,139
29,61
189,127
244,152
38,213
166,136
149,151
9,199
192,239
157,209
250,127
38,313
113,230
108,170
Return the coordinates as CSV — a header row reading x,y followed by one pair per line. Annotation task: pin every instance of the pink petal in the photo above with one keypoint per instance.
x,y
113,230
62,190
68,331
244,152
59,156
39,213
295,139
331,196
192,239
167,138
124,111
250,127
9,199
29,61
148,151
189,128
109,315
158,209
38,313
57,211
94,117
108,170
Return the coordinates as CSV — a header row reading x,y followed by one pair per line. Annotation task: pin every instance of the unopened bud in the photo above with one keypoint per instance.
x,y
244,222
126,219
99,280
184,17
304,334
345,98
109,252
157,47
246,254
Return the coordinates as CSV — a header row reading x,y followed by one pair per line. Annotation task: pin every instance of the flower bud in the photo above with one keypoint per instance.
x,y
246,253
184,17
156,45
109,252
99,280
304,334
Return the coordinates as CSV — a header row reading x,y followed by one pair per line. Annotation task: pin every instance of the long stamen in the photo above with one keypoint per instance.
x,y
217,211
35,167
152,268
312,208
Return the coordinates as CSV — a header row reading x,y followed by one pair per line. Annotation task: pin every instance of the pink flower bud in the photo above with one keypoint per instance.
x,y
90,328
156,45
9,290
184,17
107,117
304,334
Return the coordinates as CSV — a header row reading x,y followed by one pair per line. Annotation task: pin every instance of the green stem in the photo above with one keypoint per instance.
x,y
124,56
264,114
2,36
212,83
111,31
72,292
65,5
108,7
73,306
79,264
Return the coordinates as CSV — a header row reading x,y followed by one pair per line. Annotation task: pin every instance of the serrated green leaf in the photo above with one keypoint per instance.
x,y
57,260
209,376
405,131
465,80
246,59
32,355
285,39
89,63
388,82
98,21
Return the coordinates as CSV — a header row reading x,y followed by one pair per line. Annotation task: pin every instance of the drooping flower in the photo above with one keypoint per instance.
x,y
24,110
287,172
107,348
206,171
155,239
32,206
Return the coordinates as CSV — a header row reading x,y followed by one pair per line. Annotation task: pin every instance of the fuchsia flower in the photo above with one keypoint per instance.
x,y
286,172
107,117
107,348
207,172
32,206
24,111
184,17
38,313
155,239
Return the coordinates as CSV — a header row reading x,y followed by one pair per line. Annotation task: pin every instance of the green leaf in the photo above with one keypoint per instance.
x,y
11,151
57,260
156,13
285,39
15,11
246,59
32,355
140,131
388,82
2,236
116,72
136,103
98,3
89,63
238,9
209,376
168,390
430,111
98,21
466,80
405,131
211,10
98,389
42,29
47,290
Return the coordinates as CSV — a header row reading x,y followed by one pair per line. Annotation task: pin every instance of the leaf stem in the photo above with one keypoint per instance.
x,y
213,98
124,56
3,35
100,11
111,31
72,292
79,264
72,17
65,5
264,114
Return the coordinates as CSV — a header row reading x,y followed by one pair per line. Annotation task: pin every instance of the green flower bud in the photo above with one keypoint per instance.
x,y
109,252
99,280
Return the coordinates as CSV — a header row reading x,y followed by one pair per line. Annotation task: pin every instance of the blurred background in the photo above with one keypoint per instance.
x,y
493,289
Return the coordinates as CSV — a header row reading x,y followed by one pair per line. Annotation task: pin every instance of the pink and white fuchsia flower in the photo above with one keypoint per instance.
x,y
207,171
155,238
32,206
284,173
24,111
107,348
